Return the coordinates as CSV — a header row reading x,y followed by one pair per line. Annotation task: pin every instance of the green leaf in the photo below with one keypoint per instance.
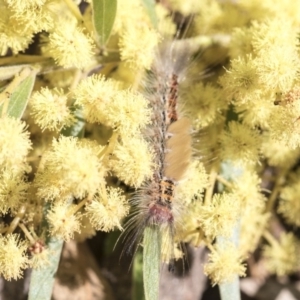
x,y
42,280
19,98
151,262
231,115
230,290
76,129
137,277
104,13
150,8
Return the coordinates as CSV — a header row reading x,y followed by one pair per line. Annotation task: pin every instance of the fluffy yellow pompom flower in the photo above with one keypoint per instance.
x,y
254,221
13,191
224,264
246,186
104,102
63,223
284,121
94,94
13,35
264,35
22,5
289,204
40,259
34,15
194,185
137,45
50,110
259,112
71,168
126,11
204,104
12,257
240,43
107,209
186,7
166,26
240,144
15,143
283,257
240,82
278,67
138,39
247,189
131,161
211,12
279,154
69,46
275,62
218,217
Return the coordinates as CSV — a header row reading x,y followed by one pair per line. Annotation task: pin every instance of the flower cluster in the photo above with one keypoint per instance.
x,y
83,134
50,109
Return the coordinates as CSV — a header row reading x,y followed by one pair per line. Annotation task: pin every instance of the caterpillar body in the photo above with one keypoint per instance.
x,y
169,135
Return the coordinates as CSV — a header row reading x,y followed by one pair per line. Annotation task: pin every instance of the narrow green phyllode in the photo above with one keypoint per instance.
x,y
230,290
104,13
151,262
19,98
137,276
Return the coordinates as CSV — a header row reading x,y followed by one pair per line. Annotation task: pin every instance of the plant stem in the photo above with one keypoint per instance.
x,y
275,191
224,181
210,189
27,233
13,225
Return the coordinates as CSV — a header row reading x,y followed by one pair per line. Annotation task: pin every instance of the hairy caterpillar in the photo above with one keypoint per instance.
x,y
169,134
